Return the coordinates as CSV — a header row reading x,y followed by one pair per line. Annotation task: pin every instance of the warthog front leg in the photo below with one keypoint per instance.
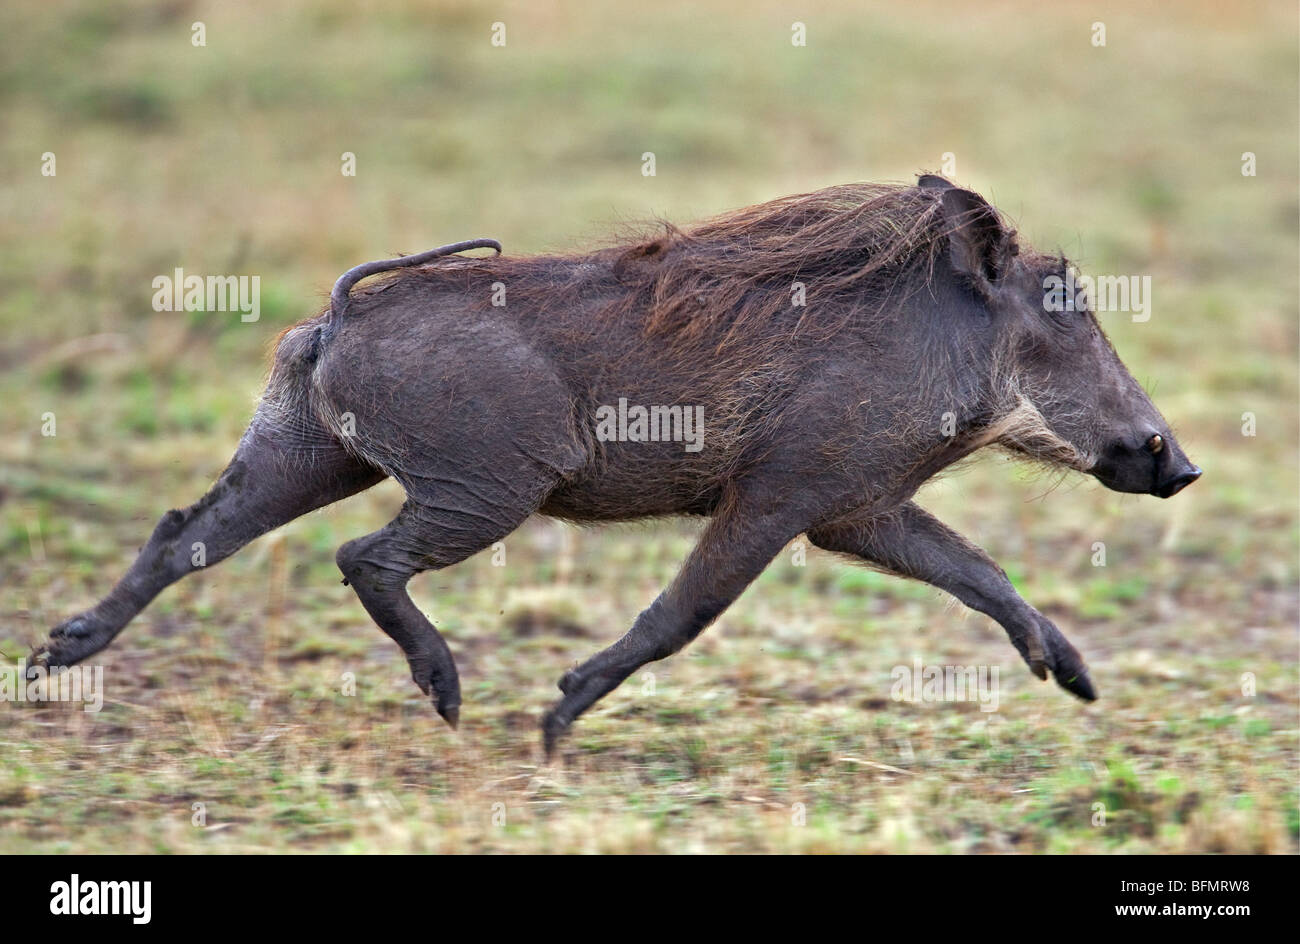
x,y
912,543
733,550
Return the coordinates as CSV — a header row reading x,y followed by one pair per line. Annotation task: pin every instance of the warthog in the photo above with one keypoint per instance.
x,y
841,347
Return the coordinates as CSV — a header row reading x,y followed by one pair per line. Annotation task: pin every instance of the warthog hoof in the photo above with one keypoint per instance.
x,y
1077,683
554,727
1067,665
445,693
70,642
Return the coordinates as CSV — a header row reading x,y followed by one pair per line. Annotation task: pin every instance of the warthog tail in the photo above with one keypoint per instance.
x,y
342,288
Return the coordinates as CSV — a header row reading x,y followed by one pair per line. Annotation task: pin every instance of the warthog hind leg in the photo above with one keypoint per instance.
x,y
276,475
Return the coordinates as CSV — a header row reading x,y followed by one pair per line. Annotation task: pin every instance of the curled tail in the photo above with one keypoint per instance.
x,y
339,297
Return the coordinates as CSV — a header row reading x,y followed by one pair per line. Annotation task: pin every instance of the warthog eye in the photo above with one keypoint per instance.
x,y
1155,444
1055,299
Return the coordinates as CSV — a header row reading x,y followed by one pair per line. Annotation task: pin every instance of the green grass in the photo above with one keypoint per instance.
x,y
776,730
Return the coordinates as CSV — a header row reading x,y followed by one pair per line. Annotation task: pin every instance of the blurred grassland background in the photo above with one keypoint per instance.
x,y
227,691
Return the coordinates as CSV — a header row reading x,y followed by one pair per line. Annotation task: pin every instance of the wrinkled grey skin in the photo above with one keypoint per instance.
x,y
485,417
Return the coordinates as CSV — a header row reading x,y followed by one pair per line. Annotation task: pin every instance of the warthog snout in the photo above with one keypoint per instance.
x,y
1149,463
1174,471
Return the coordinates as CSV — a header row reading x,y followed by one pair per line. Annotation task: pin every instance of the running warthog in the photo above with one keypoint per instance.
x,y
844,346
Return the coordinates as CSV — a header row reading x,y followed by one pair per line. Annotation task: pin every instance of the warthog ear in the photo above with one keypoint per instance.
x,y
978,246
932,182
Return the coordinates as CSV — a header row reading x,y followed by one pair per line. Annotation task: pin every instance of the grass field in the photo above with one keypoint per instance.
x,y
226,727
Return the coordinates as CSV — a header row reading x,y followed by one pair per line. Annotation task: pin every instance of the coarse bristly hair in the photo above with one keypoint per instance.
x,y
868,241
854,247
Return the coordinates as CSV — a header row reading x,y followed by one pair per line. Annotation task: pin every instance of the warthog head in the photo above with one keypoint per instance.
x,y
1064,397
